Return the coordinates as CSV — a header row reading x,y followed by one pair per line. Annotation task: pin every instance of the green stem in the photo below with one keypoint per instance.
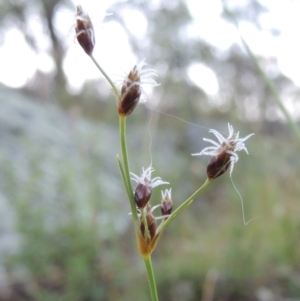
x,y
264,76
151,278
121,168
185,204
273,90
113,86
126,170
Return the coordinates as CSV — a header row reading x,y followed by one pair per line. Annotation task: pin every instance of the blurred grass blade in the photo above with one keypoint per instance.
x,y
264,76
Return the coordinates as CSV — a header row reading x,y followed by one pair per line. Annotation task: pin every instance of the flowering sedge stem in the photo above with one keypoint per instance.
x,y
113,86
184,205
125,168
151,278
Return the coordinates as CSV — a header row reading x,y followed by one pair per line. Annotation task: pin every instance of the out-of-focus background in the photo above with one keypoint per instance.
x,y
65,232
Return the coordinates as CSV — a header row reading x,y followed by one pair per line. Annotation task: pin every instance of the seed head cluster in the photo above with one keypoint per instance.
x,y
142,195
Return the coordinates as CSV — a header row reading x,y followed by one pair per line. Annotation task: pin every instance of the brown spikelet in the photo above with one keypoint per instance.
x,y
166,205
151,225
217,165
84,31
130,93
223,152
142,194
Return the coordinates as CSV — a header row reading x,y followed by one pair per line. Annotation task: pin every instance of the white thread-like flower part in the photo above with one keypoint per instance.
x,y
229,145
166,194
145,178
145,78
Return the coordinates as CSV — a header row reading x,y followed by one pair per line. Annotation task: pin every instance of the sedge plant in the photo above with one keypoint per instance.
x,y
148,226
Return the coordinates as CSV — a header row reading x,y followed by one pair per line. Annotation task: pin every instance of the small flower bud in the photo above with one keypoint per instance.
x,y
166,203
84,31
142,194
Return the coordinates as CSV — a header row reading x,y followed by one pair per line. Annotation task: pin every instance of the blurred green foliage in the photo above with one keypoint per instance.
x,y
66,253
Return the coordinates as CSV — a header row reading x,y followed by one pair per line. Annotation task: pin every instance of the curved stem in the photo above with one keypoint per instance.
x,y
121,168
273,90
185,204
264,76
151,278
126,170
113,86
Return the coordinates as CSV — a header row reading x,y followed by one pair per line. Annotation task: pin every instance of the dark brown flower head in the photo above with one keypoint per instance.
x,y
132,91
217,165
223,152
144,186
84,31
166,205
142,194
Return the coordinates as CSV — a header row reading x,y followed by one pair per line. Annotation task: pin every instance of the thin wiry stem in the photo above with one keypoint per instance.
x,y
264,76
183,206
151,278
125,170
113,86
124,178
